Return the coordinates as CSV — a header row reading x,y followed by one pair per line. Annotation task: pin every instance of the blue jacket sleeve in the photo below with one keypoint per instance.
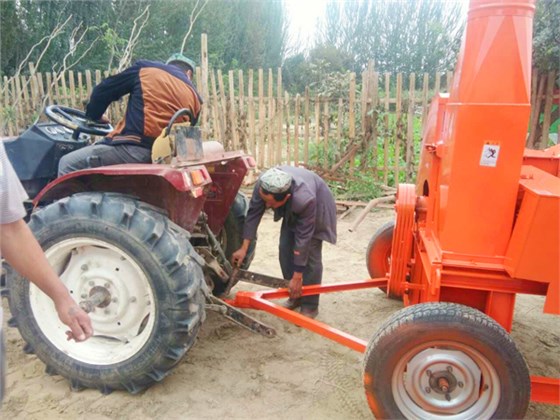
x,y
110,90
305,227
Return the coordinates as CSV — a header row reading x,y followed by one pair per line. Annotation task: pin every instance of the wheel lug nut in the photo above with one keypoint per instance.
x,y
460,384
91,283
429,372
107,285
84,267
428,389
114,300
107,311
448,397
83,296
449,369
132,299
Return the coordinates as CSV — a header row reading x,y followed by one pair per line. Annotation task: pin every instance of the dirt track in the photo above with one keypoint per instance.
x,y
232,373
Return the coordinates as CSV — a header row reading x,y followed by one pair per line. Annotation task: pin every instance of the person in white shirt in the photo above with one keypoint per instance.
x,y
21,250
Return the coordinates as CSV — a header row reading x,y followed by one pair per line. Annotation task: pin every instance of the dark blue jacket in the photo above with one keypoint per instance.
x,y
310,212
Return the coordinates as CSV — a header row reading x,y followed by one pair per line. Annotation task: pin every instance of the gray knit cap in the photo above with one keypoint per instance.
x,y
276,181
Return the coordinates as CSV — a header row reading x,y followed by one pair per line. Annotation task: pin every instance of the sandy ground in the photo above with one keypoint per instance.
x,y
233,373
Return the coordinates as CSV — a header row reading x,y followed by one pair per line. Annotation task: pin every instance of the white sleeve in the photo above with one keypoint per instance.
x,y
12,194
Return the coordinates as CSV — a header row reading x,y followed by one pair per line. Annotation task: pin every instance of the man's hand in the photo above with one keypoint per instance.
x,y
238,256
72,315
295,286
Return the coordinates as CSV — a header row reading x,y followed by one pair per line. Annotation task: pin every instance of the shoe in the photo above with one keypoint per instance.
x,y
309,313
291,304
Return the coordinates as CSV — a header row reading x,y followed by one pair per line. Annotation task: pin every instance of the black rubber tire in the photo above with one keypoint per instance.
x,y
378,252
416,328
232,238
379,246
173,270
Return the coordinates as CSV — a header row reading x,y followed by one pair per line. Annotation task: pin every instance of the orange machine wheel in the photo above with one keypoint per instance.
x,y
443,360
378,254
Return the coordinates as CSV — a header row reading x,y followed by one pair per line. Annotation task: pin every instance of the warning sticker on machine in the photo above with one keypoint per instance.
x,y
490,154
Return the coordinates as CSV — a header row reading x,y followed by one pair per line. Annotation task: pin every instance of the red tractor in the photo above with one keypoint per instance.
x,y
141,246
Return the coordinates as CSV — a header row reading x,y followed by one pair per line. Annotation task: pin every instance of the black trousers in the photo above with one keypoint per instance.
x,y
313,273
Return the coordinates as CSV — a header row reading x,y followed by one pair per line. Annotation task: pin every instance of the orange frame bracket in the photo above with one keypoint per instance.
x,y
544,390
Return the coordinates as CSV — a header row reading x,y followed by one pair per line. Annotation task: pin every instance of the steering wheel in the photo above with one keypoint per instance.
x,y
76,120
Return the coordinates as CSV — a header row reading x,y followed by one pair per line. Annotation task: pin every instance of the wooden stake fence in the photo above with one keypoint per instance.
x,y
375,124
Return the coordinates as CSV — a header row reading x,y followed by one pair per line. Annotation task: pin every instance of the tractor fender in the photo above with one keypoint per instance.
x,y
173,189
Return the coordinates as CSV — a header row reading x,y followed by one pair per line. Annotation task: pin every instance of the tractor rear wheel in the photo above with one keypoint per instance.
x,y
150,273
444,360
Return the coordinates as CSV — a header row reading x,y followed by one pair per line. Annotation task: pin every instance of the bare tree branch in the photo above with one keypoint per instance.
x,y
133,39
64,67
192,19
49,38
57,31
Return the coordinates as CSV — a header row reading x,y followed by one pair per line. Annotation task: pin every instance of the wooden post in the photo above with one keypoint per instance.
x,y
8,126
49,89
364,104
35,98
339,124
351,105
19,101
219,129
72,88
352,117
543,144
81,96
288,125
410,129
251,111
438,83
534,86
296,130
536,110
89,85
374,95
40,86
64,89
425,107
306,128
449,80
223,114
398,132
15,102
204,82
326,115
242,129
233,112
280,120
271,113
26,99
262,111
386,130
317,124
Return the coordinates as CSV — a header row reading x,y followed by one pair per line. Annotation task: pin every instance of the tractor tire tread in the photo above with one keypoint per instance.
x,y
181,312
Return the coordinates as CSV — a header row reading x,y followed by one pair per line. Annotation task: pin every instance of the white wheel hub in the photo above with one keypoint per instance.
x,y
450,381
122,323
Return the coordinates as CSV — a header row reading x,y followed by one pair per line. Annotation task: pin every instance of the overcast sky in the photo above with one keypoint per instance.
x,y
303,16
